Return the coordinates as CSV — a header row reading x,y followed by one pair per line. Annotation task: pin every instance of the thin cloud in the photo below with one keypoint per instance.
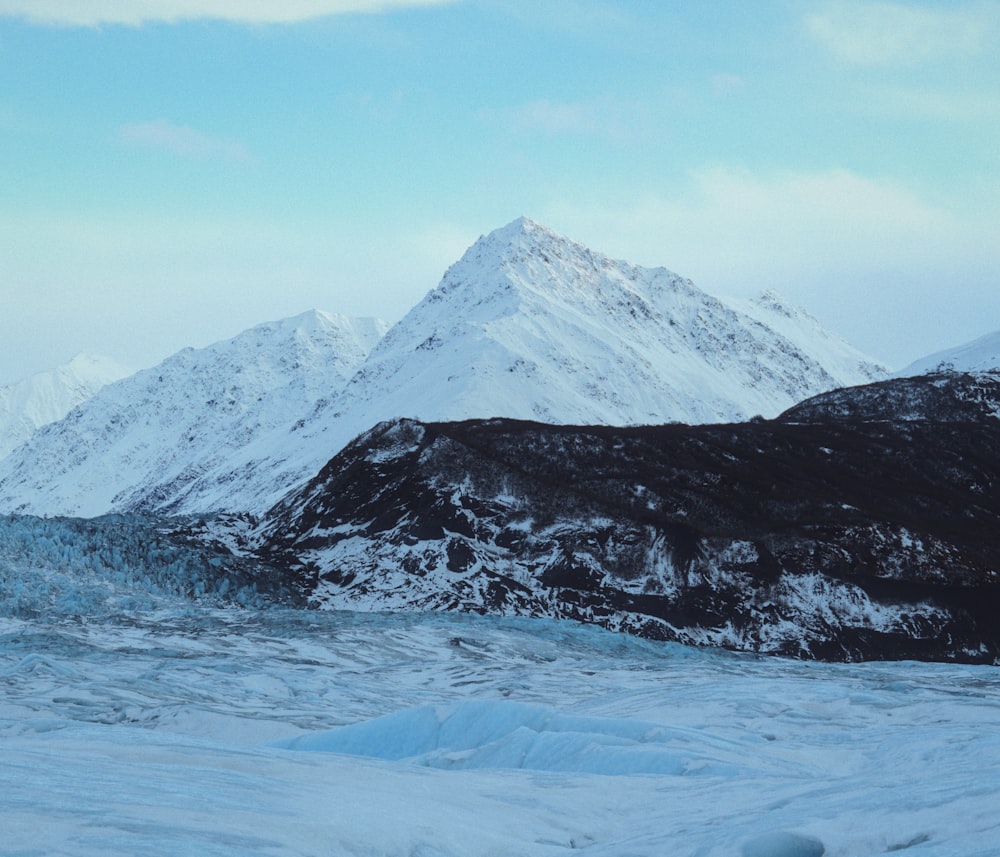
x,y
874,260
936,105
93,13
730,221
599,118
724,84
880,34
185,141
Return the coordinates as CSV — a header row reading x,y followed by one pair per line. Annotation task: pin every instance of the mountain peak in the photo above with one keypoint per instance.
x,y
526,258
518,238
522,227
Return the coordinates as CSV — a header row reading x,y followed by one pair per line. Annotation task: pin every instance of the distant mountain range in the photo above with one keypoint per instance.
x,y
191,432
48,396
551,432
528,324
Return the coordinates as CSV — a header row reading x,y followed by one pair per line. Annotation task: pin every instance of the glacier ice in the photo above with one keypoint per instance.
x,y
168,728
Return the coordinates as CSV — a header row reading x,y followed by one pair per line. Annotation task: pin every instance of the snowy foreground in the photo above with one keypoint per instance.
x,y
185,730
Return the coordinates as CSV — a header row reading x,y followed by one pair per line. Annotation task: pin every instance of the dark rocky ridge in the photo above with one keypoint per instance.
x,y
938,396
835,532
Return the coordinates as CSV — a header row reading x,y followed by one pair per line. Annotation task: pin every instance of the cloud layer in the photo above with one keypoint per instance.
x,y
92,13
183,140
877,34
872,259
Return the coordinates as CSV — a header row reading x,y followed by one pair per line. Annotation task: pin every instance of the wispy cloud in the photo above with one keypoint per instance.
x,y
874,259
92,13
597,118
936,105
874,33
725,83
185,141
556,118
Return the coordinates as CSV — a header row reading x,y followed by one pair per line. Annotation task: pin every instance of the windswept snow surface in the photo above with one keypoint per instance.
x,y
176,729
979,355
49,396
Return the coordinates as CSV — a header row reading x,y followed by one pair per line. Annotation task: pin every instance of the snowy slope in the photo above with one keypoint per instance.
x,y
180,434
980,355
531,325
844,362
49,396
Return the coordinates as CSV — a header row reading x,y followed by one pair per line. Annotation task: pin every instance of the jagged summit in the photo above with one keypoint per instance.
x,y
532,325
525,257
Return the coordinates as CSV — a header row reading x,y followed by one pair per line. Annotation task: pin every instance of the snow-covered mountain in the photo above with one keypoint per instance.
x,y
531,325
979,355
48,396
528,324
844,363
181,434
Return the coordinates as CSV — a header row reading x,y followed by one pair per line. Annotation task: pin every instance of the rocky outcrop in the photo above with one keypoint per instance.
x,y
832,538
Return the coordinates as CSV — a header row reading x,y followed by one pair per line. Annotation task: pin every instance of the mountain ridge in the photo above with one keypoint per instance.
x,y
527,324
177,430
48,396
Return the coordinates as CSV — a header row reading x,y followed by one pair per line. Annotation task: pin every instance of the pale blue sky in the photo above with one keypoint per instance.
x,y
169,180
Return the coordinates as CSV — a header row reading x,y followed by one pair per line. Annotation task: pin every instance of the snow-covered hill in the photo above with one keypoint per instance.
x,y
528,324
181,434
49,396
979,355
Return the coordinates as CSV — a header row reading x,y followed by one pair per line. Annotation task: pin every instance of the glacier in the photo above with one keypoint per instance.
x,y
184,726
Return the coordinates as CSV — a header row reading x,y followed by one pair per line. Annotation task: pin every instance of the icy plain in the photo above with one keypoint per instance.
x,y
156,725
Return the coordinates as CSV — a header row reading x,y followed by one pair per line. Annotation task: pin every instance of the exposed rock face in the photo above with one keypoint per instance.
x,y
820,535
